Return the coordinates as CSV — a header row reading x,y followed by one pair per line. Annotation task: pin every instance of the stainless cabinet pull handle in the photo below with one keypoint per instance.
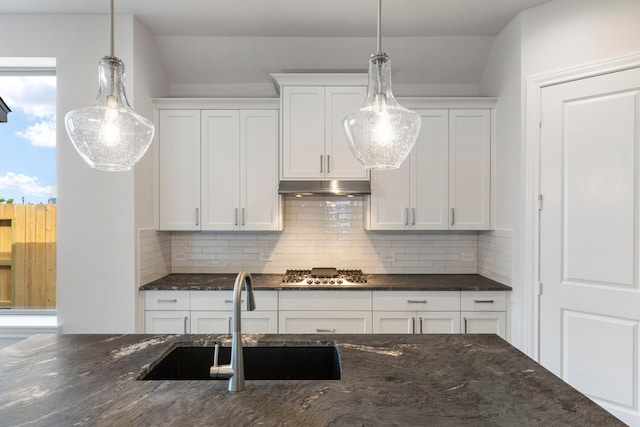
x,y
420,319
465,325
325,330
483,301
242,217
413,325
406,216
413,216
197,216
229,324
160,301
236,216
453,216
185,324
417,301
328,163
229,301
321,163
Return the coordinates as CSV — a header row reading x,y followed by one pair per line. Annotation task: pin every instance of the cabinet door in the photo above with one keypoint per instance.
x,y
394,322
179,169
469,169
220,170
340,162
484,322
324,322
166,322
259,199
303,132
220,322
389,200
429,202
438,322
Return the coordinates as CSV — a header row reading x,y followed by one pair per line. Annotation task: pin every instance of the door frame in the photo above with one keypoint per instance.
x,y
531,162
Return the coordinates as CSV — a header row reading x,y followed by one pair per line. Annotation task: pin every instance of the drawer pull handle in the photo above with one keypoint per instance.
x,y
325,330
483,301
229,301
417,301
160,300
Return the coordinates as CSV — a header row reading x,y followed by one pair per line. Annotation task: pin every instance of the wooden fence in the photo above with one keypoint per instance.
x,y
28,256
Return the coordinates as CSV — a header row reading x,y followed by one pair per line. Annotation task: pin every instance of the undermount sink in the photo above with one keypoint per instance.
x,y
290,362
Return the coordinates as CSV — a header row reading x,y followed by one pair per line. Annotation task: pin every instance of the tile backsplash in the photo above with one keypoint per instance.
x,y
324,231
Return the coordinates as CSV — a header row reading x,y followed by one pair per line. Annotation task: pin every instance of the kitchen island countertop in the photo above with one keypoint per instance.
x,y
387,380
410,282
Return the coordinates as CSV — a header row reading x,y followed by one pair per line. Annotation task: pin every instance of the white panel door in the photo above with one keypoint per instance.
x,y
179,169
303,132
389,201
589,238
220,170
469,169
221,322
259,199
340,162
166,322
429,163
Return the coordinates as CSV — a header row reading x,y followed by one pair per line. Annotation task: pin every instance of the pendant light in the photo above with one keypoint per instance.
x,y
382,133
108,134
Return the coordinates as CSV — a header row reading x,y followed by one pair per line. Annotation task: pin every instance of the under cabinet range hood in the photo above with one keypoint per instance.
x,y
327,187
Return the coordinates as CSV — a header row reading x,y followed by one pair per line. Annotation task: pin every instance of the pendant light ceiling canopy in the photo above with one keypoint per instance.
x,y
108,134
383,132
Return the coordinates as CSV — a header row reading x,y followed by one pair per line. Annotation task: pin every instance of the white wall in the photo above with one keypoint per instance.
x,y
95,230
555,36
150,81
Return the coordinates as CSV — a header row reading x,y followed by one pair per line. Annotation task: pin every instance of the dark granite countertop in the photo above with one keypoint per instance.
x,y
387,380
430,282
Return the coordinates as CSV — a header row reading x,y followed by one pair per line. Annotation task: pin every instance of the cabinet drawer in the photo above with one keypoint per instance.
x,y
166,300
325,300
416,300
223,300
483,301
324,322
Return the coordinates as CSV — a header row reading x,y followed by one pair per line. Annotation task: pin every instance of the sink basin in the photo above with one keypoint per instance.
x,y
307,362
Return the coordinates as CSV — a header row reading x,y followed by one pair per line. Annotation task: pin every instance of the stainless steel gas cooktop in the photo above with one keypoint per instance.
x,y
324,276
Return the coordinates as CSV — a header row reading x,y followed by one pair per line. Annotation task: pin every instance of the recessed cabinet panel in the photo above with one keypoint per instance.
x,y
469,169
221,322
324,322
179,169
220,169
223,300
167,322
302,132
325,300
416,300
477,322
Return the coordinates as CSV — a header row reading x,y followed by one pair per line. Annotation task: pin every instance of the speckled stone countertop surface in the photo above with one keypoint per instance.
x,y
387,380
430,282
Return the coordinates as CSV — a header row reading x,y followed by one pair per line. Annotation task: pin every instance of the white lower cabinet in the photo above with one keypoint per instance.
x,y
416,312
324,312
484,312
211,313
330,311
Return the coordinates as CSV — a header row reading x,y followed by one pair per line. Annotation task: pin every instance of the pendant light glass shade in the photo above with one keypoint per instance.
x,y
108,134
383,132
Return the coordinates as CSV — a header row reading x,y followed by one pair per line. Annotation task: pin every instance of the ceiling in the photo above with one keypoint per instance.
x,y
229,47
298,18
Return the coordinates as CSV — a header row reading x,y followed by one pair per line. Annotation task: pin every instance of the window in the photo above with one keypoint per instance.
x,y
28,187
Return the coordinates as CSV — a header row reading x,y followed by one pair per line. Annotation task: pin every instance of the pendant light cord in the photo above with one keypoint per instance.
x,y
111,24
379,25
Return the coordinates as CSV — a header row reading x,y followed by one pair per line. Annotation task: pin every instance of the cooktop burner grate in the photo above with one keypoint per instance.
x,y
324,276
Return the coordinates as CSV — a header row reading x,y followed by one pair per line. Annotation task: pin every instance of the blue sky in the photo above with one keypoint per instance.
x,y
28,139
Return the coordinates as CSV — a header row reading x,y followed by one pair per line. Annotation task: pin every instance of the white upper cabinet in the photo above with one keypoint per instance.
x,y
179,169
470,169
445,183
313,141
414,197
221,174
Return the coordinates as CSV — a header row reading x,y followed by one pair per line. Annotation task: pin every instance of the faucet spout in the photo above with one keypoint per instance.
x,y
235,371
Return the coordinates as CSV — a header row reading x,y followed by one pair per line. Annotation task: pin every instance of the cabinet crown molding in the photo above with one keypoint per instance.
x,y
445,102
318,79
216,103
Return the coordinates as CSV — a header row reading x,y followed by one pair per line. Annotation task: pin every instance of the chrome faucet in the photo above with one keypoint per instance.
x,y
235,370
